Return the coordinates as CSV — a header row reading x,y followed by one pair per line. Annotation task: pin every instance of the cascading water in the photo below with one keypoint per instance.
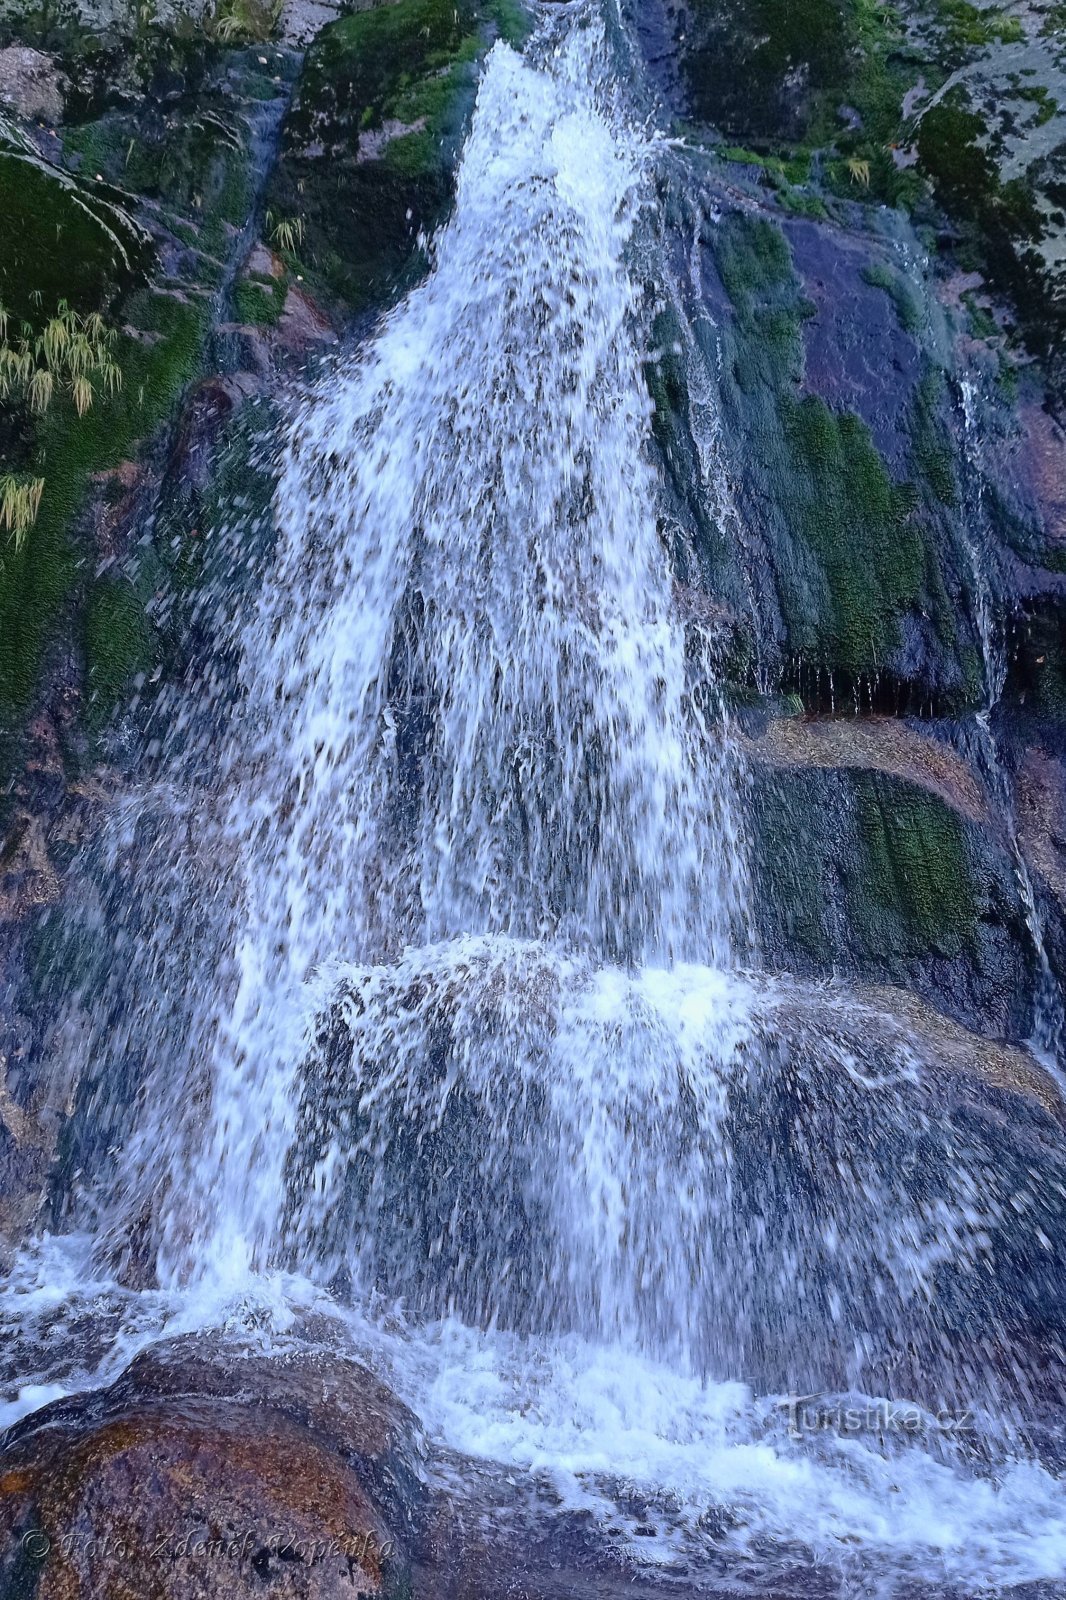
x,y
459,1035
1048,1019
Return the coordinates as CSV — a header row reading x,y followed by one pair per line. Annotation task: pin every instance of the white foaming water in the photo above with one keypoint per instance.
x,y
466,687
466,1051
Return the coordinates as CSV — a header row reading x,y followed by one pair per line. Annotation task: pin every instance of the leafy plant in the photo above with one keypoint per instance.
x,y
287,233
860,171
71,353
244,21
20,501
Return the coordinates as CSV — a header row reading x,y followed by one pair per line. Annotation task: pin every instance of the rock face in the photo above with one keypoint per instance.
x,y
30,83
203,1472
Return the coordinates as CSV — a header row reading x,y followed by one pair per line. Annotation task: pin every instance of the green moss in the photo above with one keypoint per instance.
x,y
120,644
364,202
950,149
795,167
968,26
801,204
902,294
857,522
1000,221
371,65
910,888
53,247
513,20
753,257
933,452
36,581
413,155
259,300
980,321
852,552
746,56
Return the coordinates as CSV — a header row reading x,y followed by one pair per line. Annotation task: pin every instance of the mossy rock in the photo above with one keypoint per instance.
x,y
61,240
157,362
370,147
120,646
260,300
910,890
857,558
872,877
759,64
859,525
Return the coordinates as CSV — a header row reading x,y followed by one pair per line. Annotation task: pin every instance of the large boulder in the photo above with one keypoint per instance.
x,y
203,1471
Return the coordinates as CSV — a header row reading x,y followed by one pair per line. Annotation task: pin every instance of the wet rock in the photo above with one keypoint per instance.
x,y
1045,467
858,355
27,1150
1041,803
884,868
203,1470
27,876
1002,1066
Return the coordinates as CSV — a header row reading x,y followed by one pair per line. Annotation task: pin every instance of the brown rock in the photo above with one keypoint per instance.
x,y
303,323
879,744
27,876
1004,1066
205,1471
1044,456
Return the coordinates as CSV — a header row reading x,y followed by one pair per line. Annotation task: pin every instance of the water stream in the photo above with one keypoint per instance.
x,y
436,998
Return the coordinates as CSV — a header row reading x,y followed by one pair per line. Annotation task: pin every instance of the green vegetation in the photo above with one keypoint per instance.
x,y
910,889
244,21
801,204
860,527
968,26
853,551
982,324
158,359
20,501
99,346
785,81
902,293
776,73
745,58
119,644
1000,219
895,860
259,299
934,456
384,95
796,168
71,354
1046,105
64,240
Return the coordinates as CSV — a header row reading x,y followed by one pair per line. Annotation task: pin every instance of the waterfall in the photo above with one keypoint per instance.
x,y
1048,1018
466,705
462,1038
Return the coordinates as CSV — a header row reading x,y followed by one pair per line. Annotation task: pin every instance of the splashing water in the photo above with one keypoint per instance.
x,y
459,1032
